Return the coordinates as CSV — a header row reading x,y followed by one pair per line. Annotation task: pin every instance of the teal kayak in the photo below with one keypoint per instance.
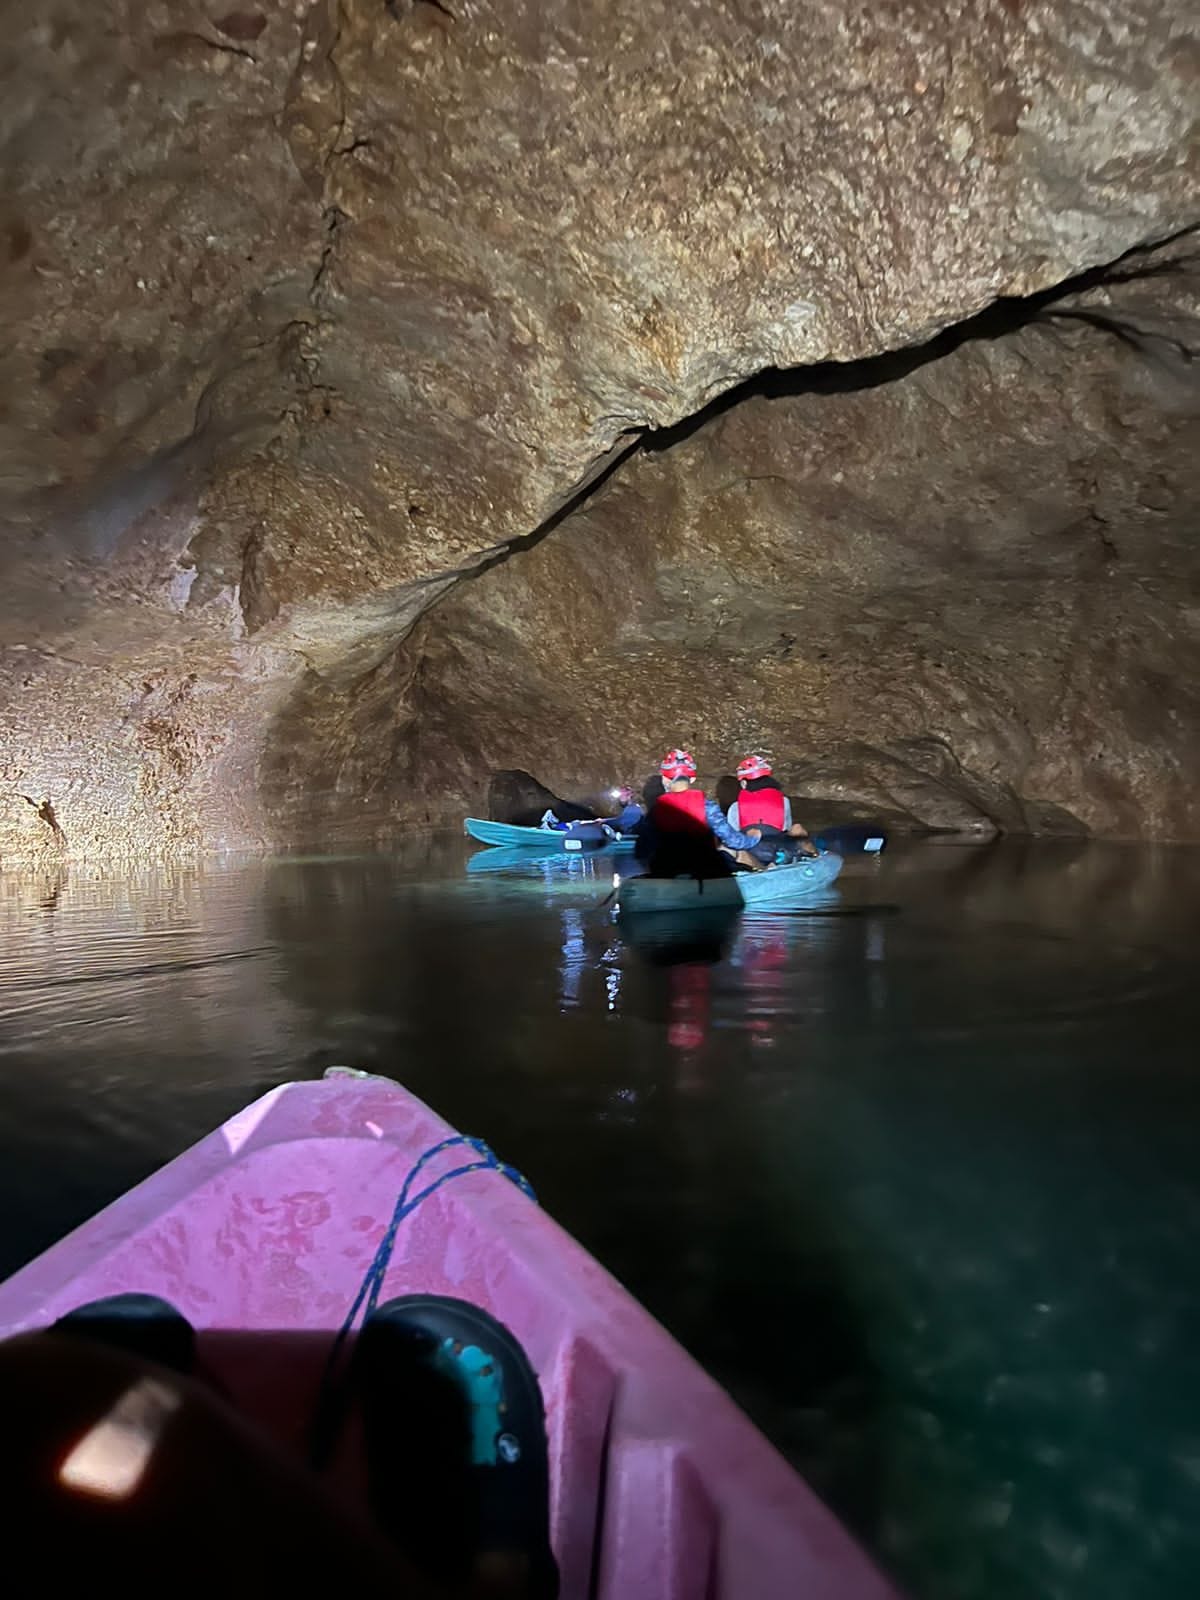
x,y
580,836
777,886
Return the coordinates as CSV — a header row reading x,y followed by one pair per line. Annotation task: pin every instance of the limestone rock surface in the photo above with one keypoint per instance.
x,y
961,592
312,306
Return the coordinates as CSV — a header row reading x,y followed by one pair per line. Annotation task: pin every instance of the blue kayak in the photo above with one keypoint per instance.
x,y
777,886
579,836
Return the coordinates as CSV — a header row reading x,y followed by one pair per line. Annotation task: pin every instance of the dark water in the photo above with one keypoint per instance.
x,y
919,1181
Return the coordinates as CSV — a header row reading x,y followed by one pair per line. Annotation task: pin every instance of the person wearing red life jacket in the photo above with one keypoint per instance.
x,y
686,833
763,804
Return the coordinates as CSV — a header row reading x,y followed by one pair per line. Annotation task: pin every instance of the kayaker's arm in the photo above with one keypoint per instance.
x,y
625,821
731,838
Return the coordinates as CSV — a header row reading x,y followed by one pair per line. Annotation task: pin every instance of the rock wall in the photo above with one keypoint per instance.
x,y
959,588
311,308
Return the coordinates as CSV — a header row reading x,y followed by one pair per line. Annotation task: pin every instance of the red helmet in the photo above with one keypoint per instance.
x,y
677,764
753,767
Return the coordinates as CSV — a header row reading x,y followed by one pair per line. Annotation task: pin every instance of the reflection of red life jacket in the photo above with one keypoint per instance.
x,y
687,1027
681,812
760,808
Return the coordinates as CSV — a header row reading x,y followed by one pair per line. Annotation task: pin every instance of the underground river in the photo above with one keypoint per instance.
x,y
914,1172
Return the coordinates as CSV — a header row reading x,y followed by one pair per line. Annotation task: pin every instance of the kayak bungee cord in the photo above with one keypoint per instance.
x,y
329,1395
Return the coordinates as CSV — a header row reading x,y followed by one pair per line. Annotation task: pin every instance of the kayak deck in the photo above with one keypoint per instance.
x,y
781,885
261,1235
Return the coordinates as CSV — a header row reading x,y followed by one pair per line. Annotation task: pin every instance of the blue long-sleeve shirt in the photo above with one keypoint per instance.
x,y
732,838
627,820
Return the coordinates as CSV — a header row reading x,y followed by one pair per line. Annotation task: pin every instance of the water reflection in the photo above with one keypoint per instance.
x,y
876,955
680,950
763,957
689,1005
574,956
914,1173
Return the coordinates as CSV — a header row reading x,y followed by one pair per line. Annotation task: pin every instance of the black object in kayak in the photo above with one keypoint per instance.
x,y
853,839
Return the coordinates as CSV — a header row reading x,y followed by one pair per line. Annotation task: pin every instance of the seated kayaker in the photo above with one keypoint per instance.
x,y
628,819
584,830
762,804
685,834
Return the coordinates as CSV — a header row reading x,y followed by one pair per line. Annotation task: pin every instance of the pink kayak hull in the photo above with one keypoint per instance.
x,y
268,1225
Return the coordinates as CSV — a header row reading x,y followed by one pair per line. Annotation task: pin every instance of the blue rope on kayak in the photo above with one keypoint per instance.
x,y
369,1290
488,1161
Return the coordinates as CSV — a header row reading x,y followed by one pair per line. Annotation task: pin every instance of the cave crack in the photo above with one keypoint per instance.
x,y
750,477
393,9
1006,314
299,332
46,813
1003,316
319,58
1140,339
333,219
214,44
339,85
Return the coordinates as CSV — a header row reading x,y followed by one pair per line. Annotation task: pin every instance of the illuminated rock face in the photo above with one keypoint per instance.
x,y
960,592
314,307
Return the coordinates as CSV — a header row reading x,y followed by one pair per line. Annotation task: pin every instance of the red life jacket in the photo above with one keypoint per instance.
x,y
760,808
680,812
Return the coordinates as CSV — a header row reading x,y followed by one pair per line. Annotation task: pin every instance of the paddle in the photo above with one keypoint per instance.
x,y
851,839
